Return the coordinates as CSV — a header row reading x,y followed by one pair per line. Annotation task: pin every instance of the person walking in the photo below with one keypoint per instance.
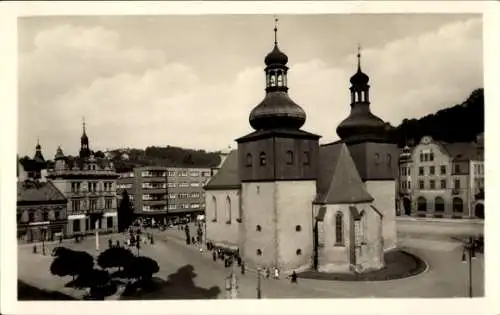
x,y
214,255
276,273
293,277
267,272
242,268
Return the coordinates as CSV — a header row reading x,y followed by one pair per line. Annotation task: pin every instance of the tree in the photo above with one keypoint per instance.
x,y
142,268
125,213
115,257
71,263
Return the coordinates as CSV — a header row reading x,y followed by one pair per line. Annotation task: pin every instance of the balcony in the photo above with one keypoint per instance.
x,y
154,190
155,202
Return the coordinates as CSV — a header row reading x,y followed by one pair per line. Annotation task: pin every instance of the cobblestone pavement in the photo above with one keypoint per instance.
x,y
445,277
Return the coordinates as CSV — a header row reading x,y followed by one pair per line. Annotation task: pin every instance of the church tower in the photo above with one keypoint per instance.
x,y
277,166
84,144
375,156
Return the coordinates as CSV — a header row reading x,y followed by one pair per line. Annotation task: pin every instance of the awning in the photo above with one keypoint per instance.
x,y
321,214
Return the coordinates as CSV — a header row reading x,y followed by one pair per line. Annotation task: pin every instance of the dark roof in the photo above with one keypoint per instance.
x,y
227,177
80,162
339,181
292,133
355,214
30,165
462,151
31,191
321,214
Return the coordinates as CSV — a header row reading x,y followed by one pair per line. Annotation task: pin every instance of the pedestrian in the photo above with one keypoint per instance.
x,y
242,268
60,239
239,260
293,277
267,272
276,273
193,240
110,243
214,256
117,243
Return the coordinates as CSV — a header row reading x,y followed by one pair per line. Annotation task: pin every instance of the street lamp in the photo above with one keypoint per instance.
x,y
258,283
468,254
44,233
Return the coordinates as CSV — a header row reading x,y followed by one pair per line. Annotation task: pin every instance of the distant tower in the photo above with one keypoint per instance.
x,y
59,161
376,158
39,159
84,143
278,171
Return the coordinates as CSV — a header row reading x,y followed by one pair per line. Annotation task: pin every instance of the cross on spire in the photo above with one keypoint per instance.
x,y
275,30
359,57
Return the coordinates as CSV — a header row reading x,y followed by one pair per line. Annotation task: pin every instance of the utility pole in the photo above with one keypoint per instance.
x,y
469,253
97,234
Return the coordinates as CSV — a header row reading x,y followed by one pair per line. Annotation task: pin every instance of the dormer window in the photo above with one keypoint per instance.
x,y
262,158
289,157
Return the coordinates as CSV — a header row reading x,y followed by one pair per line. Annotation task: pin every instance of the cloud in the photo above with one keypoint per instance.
x,y
136,97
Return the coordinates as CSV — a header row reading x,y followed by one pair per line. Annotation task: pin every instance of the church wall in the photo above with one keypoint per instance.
x,y
372,251
294,211
258,208
333,257
384,193
223,226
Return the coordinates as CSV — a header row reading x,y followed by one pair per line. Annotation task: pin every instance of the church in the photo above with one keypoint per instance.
x,y
284,200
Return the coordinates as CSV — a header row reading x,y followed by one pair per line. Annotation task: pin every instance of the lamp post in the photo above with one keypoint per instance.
x,y
44,233
258,283
468,254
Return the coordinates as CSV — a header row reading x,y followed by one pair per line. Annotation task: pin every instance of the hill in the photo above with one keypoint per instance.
x,y
459,123
168,156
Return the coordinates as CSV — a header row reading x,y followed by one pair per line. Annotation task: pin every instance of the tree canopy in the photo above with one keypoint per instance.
x,y
68,262
115,257
459,123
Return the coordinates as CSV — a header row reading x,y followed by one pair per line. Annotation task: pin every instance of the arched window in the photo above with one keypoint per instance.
x,y
214,204
262,158
421,204
339,229
388,159
439,204
377,159
228,209
289,157
458,205
307,158
249,160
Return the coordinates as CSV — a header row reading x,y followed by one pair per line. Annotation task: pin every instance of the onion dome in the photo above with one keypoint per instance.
x,y
277,110
39,159
276,56
361,124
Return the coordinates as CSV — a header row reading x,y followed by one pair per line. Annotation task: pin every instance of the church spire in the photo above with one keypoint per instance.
x,y
277,110
84,142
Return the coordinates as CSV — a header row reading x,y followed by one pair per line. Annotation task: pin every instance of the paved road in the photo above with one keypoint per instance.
x,y
446,277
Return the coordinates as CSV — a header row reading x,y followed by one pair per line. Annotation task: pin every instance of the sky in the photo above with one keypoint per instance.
x,y
191,81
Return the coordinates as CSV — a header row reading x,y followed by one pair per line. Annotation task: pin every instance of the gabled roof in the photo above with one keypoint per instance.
x,y
31,191
462,151
339,181
227,177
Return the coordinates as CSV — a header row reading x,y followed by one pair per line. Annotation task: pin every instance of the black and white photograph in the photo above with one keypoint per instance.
x,y
249,156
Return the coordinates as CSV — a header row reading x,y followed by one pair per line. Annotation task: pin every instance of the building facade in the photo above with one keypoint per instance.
x,y
41,211
284,201
89,184
165,193
441,180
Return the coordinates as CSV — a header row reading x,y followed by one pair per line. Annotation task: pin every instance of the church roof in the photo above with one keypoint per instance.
x,y
30,191
339,181
227,177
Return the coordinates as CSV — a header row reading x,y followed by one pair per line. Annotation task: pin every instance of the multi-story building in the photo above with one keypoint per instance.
x,y
476,182
89,184
35,168
41,211
165,193
435,179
